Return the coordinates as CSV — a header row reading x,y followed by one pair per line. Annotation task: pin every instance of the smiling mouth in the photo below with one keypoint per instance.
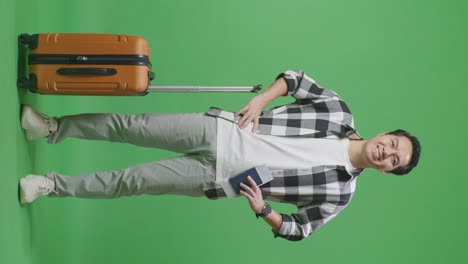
x,y
377,154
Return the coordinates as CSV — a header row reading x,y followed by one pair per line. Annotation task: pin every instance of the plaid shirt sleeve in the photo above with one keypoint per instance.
x,y
302,87
302,224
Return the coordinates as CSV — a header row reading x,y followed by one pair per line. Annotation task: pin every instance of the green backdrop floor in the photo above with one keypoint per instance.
x,y
397,64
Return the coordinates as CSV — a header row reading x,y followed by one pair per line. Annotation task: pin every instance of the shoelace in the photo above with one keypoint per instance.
x,y
46,187
51,126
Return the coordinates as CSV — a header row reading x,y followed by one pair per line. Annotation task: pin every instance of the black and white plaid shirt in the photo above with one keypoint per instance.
x,y
319,192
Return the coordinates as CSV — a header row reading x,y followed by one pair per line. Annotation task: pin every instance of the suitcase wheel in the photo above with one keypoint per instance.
x,y
30,84
22,83
25,39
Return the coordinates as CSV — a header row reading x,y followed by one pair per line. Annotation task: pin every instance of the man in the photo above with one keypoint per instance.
x,y
310,147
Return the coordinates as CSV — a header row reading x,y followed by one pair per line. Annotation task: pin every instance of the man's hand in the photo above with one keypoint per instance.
x,y
254,195
252,110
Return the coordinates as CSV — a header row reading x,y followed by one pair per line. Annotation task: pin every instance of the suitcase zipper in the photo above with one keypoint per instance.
x,y
89,59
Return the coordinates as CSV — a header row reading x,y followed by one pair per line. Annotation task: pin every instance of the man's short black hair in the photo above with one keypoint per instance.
x,y
402,170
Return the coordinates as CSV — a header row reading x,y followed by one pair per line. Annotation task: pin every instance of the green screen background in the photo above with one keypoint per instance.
x,y
398,64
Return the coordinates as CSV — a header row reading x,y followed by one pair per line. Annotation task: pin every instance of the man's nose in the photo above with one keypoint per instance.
x,y
389,152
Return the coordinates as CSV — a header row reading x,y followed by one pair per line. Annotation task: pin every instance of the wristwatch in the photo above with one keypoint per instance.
x,y
265,211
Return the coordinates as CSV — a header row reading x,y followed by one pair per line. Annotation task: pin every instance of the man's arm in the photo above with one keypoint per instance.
x,y
294,83
275,90
303,87
255,106
293,227
254,195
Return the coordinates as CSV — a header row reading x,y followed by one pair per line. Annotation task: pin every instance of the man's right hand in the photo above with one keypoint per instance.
x,y
252,111
255,106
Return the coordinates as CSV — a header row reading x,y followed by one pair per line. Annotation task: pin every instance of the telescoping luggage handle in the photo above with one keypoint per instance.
x,y
252,89
151,75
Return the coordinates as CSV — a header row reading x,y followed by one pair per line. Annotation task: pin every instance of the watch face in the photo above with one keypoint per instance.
x,y
266,209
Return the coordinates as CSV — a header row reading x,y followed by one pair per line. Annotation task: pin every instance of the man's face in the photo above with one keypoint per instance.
x,y
386,152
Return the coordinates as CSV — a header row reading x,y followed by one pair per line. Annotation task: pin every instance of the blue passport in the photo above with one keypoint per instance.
x,y
260,174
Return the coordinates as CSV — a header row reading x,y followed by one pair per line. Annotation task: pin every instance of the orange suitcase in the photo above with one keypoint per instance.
x,y
94,64
87,64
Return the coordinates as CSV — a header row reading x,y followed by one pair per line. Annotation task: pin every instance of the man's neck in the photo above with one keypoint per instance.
x,y
356,153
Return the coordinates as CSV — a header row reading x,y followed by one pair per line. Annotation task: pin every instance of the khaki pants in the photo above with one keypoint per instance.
x,y
192,134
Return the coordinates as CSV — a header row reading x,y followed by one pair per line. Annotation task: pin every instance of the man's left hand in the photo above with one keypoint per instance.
x,y
254,195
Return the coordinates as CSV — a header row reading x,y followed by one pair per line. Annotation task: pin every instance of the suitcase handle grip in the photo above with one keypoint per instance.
x,y
87,71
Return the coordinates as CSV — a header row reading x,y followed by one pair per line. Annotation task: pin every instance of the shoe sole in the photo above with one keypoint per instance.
x,y
22,194
25,123
24,111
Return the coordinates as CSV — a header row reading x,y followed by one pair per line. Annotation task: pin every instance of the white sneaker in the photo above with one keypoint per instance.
x,y
36,124
33,186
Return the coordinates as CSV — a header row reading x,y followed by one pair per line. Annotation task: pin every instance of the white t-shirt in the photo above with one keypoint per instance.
x,y
239,150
